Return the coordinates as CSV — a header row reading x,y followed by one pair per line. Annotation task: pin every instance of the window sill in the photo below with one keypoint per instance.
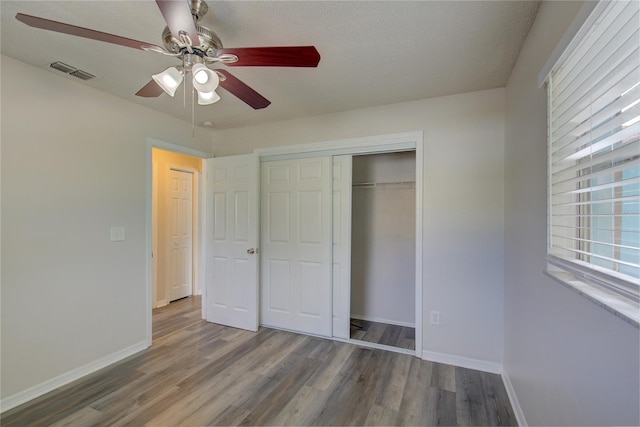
x,y
621,307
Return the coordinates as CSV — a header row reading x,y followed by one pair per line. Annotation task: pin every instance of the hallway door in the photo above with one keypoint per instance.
x,y
180,210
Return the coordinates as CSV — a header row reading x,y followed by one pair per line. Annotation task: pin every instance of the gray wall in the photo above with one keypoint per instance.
x,y
570,361
73,165
462,209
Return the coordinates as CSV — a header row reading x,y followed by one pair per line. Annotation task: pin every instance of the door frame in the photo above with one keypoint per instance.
x,y
198,246
408,141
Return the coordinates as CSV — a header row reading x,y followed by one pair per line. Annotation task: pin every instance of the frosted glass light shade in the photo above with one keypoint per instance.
x,y
206,98
204,79
169,80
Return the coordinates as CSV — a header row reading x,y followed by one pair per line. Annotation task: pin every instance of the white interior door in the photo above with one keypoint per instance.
x,y
342,166
232,239
296,245
180,262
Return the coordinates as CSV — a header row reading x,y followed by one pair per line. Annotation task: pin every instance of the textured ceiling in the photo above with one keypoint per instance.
x,y
373,52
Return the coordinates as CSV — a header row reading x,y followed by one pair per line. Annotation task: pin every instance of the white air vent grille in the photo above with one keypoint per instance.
x,y
61,66
71,70
82,75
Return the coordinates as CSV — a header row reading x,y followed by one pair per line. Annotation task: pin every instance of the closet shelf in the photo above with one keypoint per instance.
x,y
380,184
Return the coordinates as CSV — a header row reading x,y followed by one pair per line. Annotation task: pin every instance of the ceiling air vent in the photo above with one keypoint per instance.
x,y
82,75
71,70
61,66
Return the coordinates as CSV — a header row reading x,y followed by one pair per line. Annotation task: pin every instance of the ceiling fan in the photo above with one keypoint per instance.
x,y
196,46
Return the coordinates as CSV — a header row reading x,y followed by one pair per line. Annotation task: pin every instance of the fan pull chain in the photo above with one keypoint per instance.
x,y
193,113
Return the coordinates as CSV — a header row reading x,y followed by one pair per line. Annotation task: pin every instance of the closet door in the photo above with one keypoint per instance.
x,y
296,263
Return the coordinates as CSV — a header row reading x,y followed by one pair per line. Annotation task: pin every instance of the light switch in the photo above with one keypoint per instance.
x,y
117,234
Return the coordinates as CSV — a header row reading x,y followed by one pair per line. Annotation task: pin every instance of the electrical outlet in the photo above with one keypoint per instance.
x,y
435,317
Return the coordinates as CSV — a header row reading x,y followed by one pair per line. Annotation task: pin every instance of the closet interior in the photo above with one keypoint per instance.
x,y
383,249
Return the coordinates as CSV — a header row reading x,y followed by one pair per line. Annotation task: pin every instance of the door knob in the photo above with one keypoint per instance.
x,y
251,251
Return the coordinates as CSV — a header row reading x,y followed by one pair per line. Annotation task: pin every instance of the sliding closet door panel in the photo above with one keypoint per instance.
x,y
296,249
341,245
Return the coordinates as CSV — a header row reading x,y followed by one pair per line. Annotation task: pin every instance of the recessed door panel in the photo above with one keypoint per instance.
x,y
277,173
241,173
310,217
220,216
310,290
219,299
241,284
279,220
241,226
279,289
310,170
219,175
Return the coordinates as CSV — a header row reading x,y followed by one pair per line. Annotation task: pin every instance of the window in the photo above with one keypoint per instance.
x,y
594,154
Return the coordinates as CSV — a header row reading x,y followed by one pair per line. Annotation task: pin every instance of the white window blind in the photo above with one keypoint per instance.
x,y
594,151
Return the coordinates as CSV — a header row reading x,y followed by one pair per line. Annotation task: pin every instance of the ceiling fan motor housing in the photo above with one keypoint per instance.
x,y
209,42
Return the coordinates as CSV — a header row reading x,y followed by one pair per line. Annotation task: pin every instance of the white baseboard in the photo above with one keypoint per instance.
x,y
463,362
515,404
381,320
68,377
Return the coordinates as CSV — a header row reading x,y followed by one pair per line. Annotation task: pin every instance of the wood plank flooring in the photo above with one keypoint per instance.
x,y
207,374
382,333
176,316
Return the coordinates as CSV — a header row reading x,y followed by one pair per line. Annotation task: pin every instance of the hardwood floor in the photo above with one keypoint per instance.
x,y
176,316
209,374
381,333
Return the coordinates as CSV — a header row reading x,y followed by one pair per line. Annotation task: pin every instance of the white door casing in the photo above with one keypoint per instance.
x,y
198,247
154,233
296,245
232,239
342,166
180,250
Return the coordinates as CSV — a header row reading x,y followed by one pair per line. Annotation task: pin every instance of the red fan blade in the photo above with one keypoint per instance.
x,y
46,24
150,90
242,91
177,13
291,56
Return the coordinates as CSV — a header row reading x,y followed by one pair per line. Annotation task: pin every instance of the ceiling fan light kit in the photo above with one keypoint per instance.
x,y
169,80
204,79
207,98
195,46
